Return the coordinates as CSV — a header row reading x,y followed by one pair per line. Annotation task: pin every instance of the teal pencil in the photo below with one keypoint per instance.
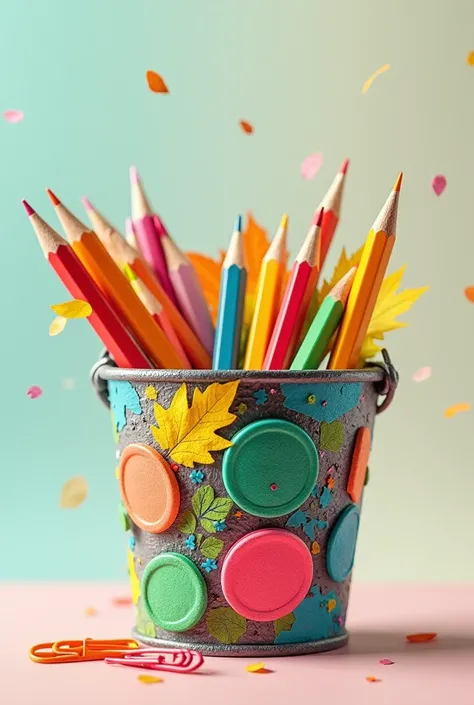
x,y
314,346
231,304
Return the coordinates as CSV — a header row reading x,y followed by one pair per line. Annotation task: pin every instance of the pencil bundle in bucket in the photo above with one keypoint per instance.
x,y
243,409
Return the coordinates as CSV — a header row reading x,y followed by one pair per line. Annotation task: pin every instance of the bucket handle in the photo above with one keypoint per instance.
x,y
385,388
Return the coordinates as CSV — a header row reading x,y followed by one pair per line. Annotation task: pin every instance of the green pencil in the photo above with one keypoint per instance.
x,y
313,348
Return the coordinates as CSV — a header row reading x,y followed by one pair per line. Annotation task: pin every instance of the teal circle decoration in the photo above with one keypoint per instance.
x,y
271,468
174,592
342,544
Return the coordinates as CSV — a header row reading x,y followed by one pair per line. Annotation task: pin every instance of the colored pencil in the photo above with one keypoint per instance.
x,y
124,255
110,329
115,287
147,235
267,300
130,236
154,307
332,210
188,290
313,348
366,286
231,304
299,289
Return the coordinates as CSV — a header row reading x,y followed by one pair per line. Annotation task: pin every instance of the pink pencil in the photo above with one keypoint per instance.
x,y
131,238
147,235
188,290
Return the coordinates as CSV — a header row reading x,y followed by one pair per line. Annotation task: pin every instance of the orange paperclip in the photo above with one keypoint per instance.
x,y
81,650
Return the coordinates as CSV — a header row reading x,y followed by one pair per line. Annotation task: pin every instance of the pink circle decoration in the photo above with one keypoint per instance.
x,y
266,574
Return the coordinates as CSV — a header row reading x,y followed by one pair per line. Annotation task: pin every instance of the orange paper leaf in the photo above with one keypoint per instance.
x,y
421,638
156,83
456,409
469,293
246,126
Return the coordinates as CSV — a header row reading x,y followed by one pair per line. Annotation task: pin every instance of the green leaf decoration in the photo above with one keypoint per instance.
x,y
198,539
331,436
211,547
225,625
284,624
149,630
209,508
187,523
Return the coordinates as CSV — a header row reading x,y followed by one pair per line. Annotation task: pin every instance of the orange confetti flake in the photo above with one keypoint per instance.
x,y
421,638
470,58
330,483
456,409
156,83
372,679
246,126
90,611
469,293
122,601
149,679
238,515
257,668
315,548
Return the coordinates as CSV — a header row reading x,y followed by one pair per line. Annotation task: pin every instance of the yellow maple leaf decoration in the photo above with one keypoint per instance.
x,y
342,267
188,433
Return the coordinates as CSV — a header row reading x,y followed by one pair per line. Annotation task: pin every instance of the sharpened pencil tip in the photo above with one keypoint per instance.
x,y
238,224
284,221
54,199
398,182
129,226
134,177
344,167
318,218
87,204
28,208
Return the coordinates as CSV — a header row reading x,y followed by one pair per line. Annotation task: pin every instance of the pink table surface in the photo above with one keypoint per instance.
x,y
380,616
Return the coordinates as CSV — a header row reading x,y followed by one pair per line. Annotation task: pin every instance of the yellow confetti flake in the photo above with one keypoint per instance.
x,y
73,309
73,493
256,668
315,548
150,392
470,58
143,678
456,409
90,611
331,605
372,78
57,325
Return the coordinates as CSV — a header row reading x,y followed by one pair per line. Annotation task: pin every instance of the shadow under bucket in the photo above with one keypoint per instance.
x,y
242,494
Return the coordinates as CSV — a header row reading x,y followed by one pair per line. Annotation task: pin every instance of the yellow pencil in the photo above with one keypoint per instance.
x,y
366,286
268,297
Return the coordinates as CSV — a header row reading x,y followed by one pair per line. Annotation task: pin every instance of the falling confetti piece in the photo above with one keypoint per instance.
x,y
73,493
372,679
13,116
386,661
246,127
156,83
68,383
58,325
149,679
150,392
257,668
422,374
372,78
90,611
34,392
421,638
315,548
238,515
456,409
311,165
469,293
470,58
122,601
73,309
438,184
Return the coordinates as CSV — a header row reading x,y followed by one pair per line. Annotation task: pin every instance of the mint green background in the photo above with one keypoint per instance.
x,y
294,69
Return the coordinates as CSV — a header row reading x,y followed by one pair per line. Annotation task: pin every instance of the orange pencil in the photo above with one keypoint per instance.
x,y
124,254
80,285
366,286
303,277
332,209
115,287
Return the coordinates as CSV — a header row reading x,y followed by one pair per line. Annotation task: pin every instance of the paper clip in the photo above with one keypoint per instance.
x,y
69,651
178,661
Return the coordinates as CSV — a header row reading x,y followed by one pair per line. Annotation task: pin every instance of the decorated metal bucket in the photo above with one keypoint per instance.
x,y
241,495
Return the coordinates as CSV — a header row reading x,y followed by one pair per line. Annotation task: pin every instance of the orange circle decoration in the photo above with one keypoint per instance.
x,y
149,488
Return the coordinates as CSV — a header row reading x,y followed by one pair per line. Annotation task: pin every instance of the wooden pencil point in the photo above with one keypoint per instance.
x,y
344,167
54,199
398,182
27,207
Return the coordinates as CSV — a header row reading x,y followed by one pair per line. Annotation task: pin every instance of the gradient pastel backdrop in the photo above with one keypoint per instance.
x,y
294,69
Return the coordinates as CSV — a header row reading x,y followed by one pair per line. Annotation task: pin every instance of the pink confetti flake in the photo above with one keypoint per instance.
x,y
386,661
311,165
439,184
422,374
13,116
34,392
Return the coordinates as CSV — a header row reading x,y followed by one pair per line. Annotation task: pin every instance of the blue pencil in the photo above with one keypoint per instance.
x,y
231,304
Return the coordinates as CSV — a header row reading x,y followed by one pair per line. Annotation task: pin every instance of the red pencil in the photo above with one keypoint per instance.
x,y
332,209
79,283
289,323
